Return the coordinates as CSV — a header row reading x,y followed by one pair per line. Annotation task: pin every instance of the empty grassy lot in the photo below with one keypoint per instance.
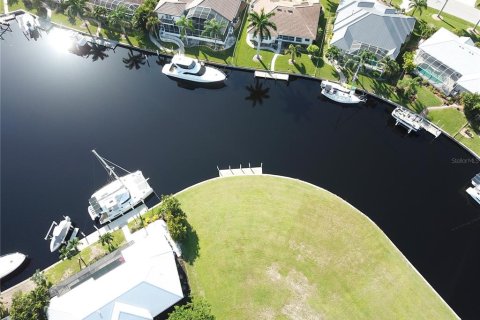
x,y
275,248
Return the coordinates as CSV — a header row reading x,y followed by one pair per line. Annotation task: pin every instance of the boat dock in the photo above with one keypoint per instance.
x,y
249,171
271,75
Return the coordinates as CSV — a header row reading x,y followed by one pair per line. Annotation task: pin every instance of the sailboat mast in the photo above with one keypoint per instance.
x,y
105,165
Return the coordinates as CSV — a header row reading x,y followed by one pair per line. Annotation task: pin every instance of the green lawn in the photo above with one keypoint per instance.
x,y
274,248
66,268
1,6
425,97
305,65
452,120
448,21
207,54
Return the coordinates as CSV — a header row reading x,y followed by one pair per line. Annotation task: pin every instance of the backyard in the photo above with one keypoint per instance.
x,y
68,267
275,248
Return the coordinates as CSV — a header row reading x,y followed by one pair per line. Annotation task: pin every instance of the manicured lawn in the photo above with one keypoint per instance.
x,y
207,54
452,120
305,65
274,248
425,97
66,268
1,6
449,22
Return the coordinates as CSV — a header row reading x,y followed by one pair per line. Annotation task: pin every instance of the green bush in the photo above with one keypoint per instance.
x,y
177,226
198,309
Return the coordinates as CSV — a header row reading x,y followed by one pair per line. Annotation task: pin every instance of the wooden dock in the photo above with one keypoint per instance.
x,y
248,171
271,75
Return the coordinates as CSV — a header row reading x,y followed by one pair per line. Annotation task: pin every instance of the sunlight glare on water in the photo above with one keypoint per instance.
x,y
62,40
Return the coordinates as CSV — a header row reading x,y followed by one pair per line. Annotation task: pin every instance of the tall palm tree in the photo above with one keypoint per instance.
x,y
257,93
134,60
390,66
153,24
261,25
213,29
417,4
441,10
360,61
294,51
119,17
184,24
76,8
106,239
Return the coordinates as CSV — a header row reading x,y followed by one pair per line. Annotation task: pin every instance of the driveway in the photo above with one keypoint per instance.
x,y
463,9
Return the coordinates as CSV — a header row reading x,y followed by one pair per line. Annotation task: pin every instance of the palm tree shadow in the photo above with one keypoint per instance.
x,y
300,67
134,61
98,52
190,246
257,93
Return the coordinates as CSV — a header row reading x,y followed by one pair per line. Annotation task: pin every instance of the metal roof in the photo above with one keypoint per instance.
x,y
372,23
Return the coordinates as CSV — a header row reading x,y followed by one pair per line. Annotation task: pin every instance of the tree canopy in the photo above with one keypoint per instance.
x,y
32,305
471,103
198,309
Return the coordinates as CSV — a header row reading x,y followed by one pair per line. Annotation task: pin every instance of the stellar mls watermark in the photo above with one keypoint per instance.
x,y
465,161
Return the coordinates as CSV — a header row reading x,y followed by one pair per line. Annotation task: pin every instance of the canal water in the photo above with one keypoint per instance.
x,y
56,106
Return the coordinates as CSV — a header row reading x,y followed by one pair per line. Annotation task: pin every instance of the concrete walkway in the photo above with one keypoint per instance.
x,y
274,59
343,79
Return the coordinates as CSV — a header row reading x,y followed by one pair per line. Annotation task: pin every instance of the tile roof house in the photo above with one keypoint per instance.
x,y
370,25
199,11
449,62
139,281
296,20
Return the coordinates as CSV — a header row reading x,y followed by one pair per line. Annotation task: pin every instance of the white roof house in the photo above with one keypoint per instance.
x,y
452,61
367,24
139,284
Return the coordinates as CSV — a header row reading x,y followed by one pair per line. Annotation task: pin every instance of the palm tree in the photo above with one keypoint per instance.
x,y
333,53
213,29
417,4
153,24
257,93
76,8
390,66
134,60
184,24
107,239
261,25
441,10
99,12
294,51
408,86
119,17
360,61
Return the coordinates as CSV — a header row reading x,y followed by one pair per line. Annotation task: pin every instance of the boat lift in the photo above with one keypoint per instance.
x,y
48,236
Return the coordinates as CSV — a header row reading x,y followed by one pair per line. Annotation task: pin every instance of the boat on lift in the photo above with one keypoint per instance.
x,y
339,93
120,195
191,69
11,262
407,118
59,233
474,191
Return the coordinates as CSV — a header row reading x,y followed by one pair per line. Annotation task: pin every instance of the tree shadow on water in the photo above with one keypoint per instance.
x,y
190,246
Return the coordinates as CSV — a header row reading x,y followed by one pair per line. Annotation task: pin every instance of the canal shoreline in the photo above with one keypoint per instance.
x,y
151,52
28,285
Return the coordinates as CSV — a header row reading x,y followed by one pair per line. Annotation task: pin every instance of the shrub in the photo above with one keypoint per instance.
x,y
177,226
169,204
198,309
471,103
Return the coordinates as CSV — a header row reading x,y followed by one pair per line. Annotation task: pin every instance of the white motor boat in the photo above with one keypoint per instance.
x,y
339,93
190,69
59,233
11,262
120,195
474,191
408,119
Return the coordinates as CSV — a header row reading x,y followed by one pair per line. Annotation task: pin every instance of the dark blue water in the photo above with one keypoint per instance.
x,y
57,106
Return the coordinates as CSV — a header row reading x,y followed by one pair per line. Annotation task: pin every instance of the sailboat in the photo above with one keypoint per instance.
x,y
119,196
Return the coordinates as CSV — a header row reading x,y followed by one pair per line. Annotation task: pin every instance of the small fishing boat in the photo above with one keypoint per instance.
x,y
59,233
190,69
120,195
340,93
10,262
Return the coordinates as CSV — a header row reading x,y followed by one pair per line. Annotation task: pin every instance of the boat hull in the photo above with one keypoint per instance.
x,y
336,98
11,262
59,234
211,75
